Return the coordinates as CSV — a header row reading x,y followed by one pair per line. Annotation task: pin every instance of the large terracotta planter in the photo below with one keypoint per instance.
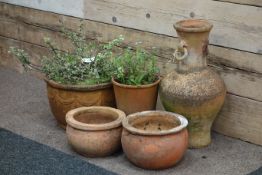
x,y
194,90
154,139
94,131
63,98
131,99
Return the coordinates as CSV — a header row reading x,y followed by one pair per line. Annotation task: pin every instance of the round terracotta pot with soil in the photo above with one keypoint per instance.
x,y
131,98
94,131
154,139
63,98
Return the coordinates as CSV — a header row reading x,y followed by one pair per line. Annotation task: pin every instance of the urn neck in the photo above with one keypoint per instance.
x,y
193,36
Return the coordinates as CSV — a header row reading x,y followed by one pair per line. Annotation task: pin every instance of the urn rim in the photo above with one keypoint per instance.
x,y
193,25
73,122
183,122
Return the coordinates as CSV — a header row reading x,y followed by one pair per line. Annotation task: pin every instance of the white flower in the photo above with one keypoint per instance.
x,y
121,37
88,60
138,42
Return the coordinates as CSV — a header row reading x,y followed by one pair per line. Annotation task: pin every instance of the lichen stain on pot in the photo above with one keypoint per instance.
x,y
154,139
94,131
63,98
194,90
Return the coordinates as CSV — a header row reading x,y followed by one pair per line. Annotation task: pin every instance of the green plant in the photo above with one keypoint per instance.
x,y
87,63
135,67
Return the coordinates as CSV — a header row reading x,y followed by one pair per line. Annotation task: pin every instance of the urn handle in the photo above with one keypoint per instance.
x,y
181,51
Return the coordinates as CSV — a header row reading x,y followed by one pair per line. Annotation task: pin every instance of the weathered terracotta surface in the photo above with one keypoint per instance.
x,y
194,90
94,131
131,99
154,139
63,98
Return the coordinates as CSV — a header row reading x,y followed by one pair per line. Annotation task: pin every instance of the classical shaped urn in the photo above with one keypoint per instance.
x,y
194,90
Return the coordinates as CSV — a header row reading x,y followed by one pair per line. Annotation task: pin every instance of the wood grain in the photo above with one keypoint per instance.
x,y
239,28
238,82
26,25
244,2
6,59
241,118
164,45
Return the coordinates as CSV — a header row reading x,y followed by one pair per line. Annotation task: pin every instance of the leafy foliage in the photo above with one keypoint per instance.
x,y
87,63
135,67
21,55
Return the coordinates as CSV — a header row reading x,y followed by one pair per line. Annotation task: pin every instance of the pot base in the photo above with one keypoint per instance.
x,y
61,125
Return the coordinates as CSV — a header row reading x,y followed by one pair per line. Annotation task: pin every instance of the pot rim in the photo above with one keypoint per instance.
x,y
204,26
136,86
77,87
133,130
71,121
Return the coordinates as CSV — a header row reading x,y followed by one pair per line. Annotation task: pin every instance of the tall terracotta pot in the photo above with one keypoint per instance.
x,y
63,98
194,90
131,99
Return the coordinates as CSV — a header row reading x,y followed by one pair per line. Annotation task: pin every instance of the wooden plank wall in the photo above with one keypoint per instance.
x,y
235,50
244,2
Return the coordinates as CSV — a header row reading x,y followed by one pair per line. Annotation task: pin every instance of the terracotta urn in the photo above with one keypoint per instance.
x,y
154,139
131,99
94,131
63,98
194,90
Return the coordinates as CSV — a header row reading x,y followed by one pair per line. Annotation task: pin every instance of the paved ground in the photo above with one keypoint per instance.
x,y
24,110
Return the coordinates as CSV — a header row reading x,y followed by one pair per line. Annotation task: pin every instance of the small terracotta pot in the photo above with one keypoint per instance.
x,y
131,99
94,131
154,139
63,98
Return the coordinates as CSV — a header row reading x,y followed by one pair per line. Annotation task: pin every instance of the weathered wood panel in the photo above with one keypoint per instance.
x,y
164,45
241,118
237,59
7,60
239,28
244,2
232,26
238,82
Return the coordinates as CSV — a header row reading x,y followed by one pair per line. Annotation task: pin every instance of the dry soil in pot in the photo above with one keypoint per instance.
x,y
154,139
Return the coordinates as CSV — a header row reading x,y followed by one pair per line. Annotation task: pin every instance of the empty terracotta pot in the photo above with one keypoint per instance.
x,y
63,98
154,139
94,131
131,99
